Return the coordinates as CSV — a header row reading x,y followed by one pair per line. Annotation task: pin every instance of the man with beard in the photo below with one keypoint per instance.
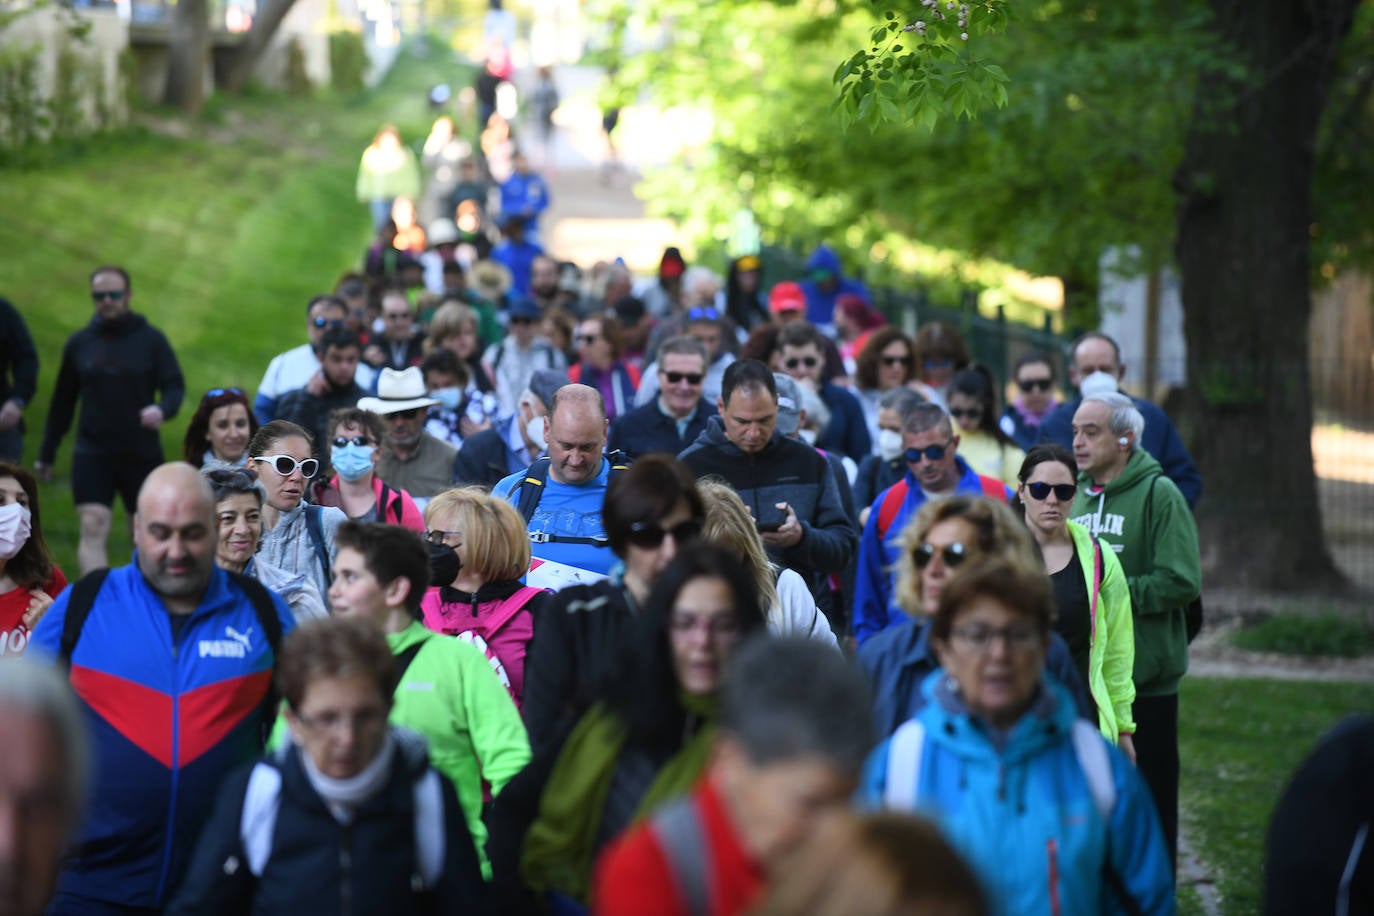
x,y
171,659
339,353
412,459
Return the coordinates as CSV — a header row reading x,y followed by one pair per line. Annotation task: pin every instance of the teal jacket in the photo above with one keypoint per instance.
x,y
1111,658
1145,519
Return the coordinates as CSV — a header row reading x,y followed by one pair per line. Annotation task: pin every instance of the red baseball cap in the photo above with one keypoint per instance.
x,y
787,297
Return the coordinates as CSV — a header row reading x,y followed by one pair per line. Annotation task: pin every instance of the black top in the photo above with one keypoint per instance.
x,y
1074,620
18,358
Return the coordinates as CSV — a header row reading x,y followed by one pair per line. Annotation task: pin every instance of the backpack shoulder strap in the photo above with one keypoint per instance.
x,y
384,502
1093,759
532,488
891,505
78,609
993,488
263,607
514,604
258,819
682,837
314,524
904,755
401,662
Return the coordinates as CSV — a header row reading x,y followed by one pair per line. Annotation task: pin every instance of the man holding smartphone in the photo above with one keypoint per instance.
x,y
788,486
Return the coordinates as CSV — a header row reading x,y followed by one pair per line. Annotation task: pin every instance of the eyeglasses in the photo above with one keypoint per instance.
x,y
107,295
703,313
1033,384
334,722
951,554
221,392
439,538
285,465
977,637
721,626
809,362
896,360
588,338
649,535
341,442
327,322
691,378
931,453
1062,491
972,413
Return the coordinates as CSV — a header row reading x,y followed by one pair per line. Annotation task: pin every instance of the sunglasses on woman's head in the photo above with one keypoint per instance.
x,y
222,476
221,392
285,465
649,535
952,554
1064,491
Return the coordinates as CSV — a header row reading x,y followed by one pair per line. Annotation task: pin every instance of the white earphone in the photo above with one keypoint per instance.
x,y
1123,441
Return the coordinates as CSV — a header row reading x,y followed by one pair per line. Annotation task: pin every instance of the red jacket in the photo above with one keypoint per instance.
x,y
633,876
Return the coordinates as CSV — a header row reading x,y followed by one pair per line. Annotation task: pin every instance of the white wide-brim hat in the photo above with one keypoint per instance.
x,y
398,390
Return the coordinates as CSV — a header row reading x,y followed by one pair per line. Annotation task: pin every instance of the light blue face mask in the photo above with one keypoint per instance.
x,y
352,462
448,398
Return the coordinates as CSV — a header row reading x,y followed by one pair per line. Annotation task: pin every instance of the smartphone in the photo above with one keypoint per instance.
x,y
770,518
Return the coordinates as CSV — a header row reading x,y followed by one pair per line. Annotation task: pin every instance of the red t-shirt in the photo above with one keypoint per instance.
x,y
14,604
633,877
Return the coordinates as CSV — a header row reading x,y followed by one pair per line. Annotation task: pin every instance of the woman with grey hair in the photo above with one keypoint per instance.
x,y
238,519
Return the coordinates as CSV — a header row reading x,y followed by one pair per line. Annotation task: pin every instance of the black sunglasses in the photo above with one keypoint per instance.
x,y
221,392
896,360
931,452
649,535
107,295
809,362
1063,491
521,319
692,378
327,322
952,555
410,414
972,413
342,442
1034,384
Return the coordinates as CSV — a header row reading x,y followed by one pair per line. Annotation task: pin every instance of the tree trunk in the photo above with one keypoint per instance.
x,y
269,19
1243,237
188,52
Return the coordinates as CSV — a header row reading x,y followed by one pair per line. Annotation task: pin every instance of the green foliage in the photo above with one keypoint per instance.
x,y
1327,635
297,78
1235,762
23,114
347,61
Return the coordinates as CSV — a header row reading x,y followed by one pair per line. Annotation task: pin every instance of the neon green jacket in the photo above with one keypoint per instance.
x,y
451,695
1111,656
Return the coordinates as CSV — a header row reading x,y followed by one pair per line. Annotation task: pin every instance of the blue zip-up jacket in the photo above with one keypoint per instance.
x,y
898,660
875,604
527,196
847,431
1019,809
1160,439
820,303
167,723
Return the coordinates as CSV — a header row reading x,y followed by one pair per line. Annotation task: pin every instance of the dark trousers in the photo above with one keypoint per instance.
x,y
1156,749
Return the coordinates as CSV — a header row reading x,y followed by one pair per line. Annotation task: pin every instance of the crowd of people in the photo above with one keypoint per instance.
x,y
521,588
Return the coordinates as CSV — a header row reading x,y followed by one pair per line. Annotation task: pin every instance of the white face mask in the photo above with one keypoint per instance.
x,y
534,430
1097,383
808,436
15,521
889,444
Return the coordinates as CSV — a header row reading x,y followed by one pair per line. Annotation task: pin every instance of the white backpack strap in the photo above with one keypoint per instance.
x,y
428,798
258,820
682,836
904,754
1096,763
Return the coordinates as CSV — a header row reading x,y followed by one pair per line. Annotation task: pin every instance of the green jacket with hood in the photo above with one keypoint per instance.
x,y
1111,655
451,696
1145,519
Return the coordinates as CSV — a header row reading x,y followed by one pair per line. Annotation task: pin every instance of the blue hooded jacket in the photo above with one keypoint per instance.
x,y
820,304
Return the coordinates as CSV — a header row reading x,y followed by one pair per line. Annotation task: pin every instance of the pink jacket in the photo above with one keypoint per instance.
x,y
397,509
499,626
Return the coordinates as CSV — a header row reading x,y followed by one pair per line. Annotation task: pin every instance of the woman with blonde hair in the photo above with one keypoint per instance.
x,y
789,606
943,536
458,327
485,604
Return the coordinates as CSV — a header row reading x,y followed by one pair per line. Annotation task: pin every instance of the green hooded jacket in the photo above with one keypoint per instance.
x,y
1145,519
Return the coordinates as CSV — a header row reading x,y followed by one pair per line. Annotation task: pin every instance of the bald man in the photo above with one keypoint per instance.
x,y
560,495
171,661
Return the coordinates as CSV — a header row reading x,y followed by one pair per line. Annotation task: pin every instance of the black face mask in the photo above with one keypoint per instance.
x,y
443,565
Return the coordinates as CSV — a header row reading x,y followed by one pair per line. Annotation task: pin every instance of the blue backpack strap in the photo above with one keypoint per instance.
x,y
904,753
314,524
682,837
532,488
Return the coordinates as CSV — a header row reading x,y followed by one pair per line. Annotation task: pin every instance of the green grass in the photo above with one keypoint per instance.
x,y
1330,635
227,229
1239,742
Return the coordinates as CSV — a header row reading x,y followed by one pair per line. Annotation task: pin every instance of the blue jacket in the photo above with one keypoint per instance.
x,y
1023,814
517,257
648,429
574,511
847,432
168,721
820,304
1160,439
875,605
899,659
525,195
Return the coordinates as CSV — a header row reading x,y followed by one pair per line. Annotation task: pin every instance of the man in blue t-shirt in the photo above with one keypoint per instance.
x,y
565,526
